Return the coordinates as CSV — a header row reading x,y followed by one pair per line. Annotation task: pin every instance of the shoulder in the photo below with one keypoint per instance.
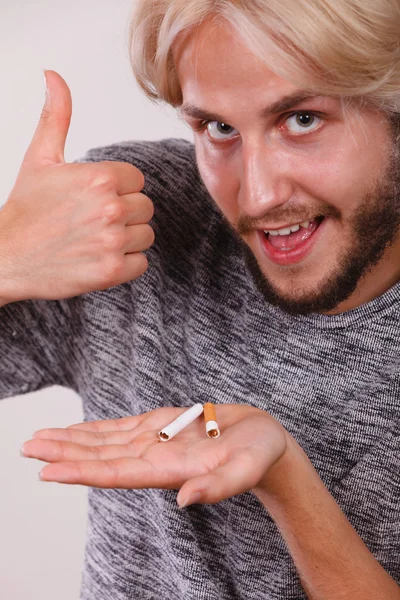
x,y
167,156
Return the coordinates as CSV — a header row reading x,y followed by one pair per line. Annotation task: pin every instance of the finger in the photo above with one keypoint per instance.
x,y
48,143
153,419
125,473
139,208
85,438
240,474
134,266
123,424
56,451
111,431
128,179
138,238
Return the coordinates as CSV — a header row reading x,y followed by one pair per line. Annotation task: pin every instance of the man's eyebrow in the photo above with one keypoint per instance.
x,y
281,105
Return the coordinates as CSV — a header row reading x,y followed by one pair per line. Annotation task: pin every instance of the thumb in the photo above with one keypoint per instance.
x,y
238,475
48,143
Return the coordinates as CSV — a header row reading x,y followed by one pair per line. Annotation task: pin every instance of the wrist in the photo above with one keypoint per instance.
x,y
284,479
7,290
8,285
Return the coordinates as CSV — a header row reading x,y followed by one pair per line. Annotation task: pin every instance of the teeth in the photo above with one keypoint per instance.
x,y
284,231
305,224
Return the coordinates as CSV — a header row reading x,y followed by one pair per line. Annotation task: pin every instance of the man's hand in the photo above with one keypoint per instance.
x,y
127,453
69,229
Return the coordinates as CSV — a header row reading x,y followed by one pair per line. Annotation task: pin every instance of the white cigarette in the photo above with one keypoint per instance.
x,y
180,423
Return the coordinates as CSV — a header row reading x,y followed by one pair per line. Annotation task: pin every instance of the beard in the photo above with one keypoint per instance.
x,y
374,227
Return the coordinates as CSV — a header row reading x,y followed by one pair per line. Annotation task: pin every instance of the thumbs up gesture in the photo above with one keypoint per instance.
x,y
69,229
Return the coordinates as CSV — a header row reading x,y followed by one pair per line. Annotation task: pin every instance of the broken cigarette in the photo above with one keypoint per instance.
x,y
180,423
212,428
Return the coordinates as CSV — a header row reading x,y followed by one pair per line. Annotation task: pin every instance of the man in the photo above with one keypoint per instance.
x,y
272,290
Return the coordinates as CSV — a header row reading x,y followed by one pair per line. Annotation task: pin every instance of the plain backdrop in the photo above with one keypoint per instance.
x,y
43,525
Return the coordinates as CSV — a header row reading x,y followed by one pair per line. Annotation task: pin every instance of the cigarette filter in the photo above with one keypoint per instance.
x,y
180,423
210,418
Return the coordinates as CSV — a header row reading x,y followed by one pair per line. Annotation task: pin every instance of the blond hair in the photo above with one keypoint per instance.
x,y
345,48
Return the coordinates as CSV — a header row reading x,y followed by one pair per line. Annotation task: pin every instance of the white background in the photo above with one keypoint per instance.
x,y
42,525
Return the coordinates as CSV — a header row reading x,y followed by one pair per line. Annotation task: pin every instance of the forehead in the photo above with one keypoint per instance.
x,y
213,64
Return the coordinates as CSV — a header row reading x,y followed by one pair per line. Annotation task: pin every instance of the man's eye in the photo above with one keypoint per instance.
x,y
219,131
302,122
298,123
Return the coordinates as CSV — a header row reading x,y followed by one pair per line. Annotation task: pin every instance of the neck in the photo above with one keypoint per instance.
x,y
376,282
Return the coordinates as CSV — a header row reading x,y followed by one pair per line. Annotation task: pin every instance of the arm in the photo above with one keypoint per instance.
x,y
332,560
65,230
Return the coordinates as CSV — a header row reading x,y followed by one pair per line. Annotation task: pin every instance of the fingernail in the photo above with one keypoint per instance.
x,y
191,500
21,451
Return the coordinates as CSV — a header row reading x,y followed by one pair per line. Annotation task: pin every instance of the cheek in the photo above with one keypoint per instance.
x,y
342,174
338,181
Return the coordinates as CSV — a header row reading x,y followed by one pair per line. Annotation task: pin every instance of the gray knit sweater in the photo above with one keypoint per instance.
x,y
195,328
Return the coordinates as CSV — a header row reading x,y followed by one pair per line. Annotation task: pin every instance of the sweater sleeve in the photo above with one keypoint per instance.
x,y
35,344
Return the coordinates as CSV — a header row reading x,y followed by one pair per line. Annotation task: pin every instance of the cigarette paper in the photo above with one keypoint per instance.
x,y
180,423
212,428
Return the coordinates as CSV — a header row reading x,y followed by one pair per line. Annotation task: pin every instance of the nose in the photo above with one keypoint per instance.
x,y
265,179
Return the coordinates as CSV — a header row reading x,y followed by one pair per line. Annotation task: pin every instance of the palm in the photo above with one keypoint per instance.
x,y
126,453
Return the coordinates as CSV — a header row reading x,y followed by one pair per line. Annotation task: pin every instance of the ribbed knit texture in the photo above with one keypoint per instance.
x,y
194,328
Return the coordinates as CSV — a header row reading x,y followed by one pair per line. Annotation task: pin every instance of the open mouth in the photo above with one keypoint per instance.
x,y
292,244
292,237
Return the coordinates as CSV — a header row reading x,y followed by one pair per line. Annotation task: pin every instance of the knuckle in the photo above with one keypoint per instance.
x,y
103,182
113,211
126,169
101,179
113,241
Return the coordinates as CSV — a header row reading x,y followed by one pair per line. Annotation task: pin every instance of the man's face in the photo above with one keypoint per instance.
x,y
307,165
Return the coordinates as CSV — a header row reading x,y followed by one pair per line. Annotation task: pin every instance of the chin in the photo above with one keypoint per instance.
x,y
301,290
